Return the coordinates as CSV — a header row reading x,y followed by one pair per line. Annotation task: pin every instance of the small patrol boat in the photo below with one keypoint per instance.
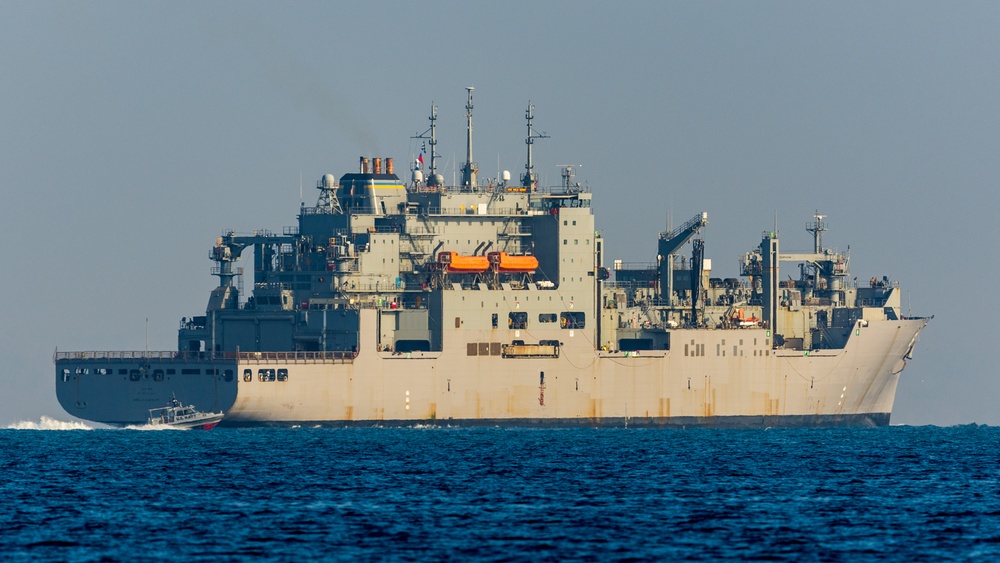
x,y
176,415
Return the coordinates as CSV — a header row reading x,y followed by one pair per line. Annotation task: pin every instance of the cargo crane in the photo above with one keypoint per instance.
x,y
668,244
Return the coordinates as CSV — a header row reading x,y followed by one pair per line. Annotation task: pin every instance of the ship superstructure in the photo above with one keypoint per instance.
x,y
488,302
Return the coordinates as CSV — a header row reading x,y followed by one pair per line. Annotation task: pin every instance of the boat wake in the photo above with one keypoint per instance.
x,y
151,427
48,423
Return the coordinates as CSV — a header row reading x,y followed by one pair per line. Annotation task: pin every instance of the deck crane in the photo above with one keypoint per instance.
x,y
668,244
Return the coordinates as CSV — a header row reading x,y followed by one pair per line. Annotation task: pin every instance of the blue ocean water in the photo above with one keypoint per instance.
x,y
499,494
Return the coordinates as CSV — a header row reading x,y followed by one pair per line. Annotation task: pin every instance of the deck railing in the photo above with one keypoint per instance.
x,y
132,355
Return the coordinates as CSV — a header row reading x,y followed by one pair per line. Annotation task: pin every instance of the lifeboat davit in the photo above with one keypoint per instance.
x,y
507,264
458,264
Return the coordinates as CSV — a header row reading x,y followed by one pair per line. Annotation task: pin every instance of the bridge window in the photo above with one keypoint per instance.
x,y
547,317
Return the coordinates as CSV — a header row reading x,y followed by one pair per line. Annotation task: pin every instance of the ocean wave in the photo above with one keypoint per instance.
x,y
48,423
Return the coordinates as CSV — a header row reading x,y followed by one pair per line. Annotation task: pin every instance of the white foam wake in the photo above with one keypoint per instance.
x,y
151,427
48,423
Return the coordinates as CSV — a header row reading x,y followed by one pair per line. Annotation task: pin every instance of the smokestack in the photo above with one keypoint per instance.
x,y
378,165
364,165
388,165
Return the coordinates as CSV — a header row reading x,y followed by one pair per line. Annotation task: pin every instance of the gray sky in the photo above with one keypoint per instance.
x,y
133,133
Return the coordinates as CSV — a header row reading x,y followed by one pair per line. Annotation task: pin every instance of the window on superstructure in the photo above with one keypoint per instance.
x,y
517,320
547,317
282,375
572,319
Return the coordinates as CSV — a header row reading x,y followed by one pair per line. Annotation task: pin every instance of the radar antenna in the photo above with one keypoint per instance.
x,y
328,201
568,174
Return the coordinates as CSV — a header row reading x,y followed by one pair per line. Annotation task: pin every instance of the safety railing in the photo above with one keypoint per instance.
x,y
132,355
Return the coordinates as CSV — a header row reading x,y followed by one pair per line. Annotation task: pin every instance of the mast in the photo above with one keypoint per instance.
x,y
470,168
817,229
530,179
433,142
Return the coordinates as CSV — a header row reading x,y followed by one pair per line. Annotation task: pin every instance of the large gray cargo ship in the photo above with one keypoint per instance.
x,y
488,302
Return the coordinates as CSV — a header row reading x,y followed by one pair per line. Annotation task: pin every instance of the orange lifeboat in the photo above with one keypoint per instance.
x,y
458,264
507,264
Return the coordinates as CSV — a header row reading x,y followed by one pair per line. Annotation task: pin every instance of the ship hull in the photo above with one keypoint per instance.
x,y
711,378
868,420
